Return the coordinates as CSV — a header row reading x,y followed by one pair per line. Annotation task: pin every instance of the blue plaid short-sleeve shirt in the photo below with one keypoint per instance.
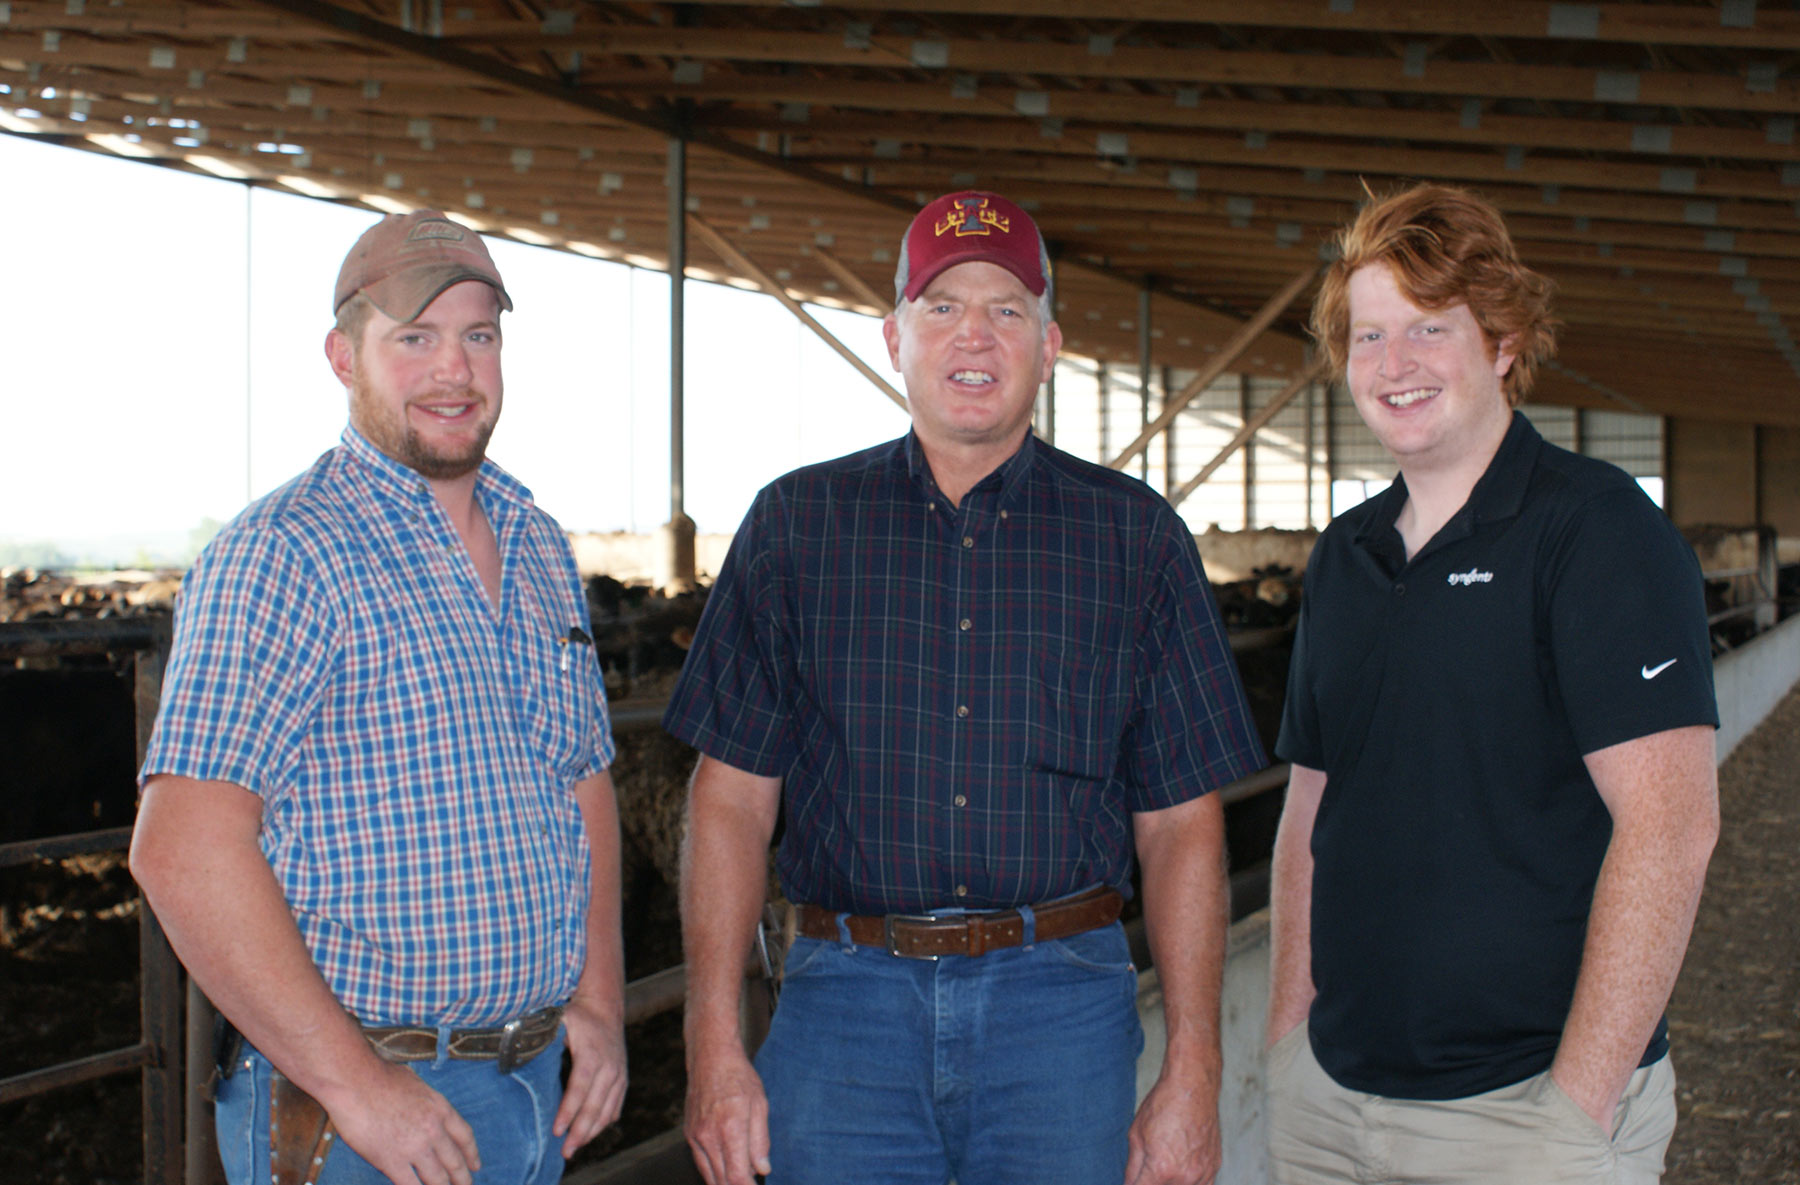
x,y
335,653
966,704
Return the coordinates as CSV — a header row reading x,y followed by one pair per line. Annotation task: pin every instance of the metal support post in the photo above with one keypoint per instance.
x,y
675,571
1144,373
1102,396
1047,397
1244,392
1170,452
1330,448
1312,403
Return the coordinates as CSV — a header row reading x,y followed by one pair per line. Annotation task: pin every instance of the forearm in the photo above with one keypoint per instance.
x,y
724,883
602,984
1642,914
1290,899
1186,902
1181,854
1662,792
195,855
594,1021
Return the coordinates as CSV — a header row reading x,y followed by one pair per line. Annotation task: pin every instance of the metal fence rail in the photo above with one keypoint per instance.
x,y
157,1055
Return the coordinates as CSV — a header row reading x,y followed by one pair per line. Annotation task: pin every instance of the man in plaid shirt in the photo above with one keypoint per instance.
x,y
377,822
977,675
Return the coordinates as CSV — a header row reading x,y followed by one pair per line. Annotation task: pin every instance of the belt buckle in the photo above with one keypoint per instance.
x,y
887,933
507,1058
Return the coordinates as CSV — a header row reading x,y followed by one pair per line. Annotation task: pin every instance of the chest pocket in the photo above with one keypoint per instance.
x,y
558,683
1074,711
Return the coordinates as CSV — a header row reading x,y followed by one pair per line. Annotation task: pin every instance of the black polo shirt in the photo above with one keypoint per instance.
x,y
1449,700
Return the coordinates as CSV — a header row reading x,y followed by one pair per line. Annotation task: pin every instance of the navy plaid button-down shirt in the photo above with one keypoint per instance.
x,y
966,704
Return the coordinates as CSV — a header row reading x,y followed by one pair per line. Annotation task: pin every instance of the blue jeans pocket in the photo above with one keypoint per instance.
x,y
806,955
1103,950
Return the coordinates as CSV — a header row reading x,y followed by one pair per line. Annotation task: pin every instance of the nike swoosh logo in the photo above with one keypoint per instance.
x,y
1653,672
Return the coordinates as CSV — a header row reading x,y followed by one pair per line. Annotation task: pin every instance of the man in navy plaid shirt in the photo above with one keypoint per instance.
x,y
977,675
377,822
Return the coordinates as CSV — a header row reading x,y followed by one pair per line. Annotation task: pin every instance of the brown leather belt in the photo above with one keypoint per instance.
x,y
509,1045
931,936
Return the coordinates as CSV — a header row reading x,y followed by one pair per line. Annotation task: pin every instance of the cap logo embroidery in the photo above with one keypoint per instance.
x,y
437,229
972,216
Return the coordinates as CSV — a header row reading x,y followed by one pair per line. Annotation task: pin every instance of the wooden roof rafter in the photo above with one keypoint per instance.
x,y
1645,152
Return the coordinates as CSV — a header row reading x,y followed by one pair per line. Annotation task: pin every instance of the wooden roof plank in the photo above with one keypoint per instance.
x,y
1673,24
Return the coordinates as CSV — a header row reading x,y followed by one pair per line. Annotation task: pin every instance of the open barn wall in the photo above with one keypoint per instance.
x,y
1712,473
1778,490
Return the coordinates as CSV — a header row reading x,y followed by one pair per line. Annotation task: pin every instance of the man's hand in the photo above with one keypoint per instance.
x,y
1175,1138
727,1121
407,1130
597,1076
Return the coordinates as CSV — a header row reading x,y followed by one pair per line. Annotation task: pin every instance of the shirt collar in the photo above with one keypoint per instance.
x,y
1501,491
1007,478
1498,494
394,480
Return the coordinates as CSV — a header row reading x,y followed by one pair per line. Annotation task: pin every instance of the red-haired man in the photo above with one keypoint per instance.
x,y
1500,718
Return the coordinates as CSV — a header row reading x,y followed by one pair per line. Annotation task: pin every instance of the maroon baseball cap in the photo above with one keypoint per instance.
x,y
970,227
406,261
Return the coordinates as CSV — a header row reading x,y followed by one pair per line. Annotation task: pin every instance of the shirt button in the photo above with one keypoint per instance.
x,y
1399,590
962,890
968,541
966,624
1005,514
962,711
961,800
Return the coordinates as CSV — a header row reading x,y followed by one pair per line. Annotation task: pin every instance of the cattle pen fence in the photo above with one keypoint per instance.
x,y
173,1052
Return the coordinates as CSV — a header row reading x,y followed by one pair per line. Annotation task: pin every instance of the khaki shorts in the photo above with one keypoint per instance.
x,y
1529,1133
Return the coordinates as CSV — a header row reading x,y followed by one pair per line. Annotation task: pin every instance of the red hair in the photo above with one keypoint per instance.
x,y
1445,247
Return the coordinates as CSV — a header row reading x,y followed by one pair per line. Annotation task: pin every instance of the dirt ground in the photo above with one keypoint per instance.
x,y
69,988
68,964
1734,1023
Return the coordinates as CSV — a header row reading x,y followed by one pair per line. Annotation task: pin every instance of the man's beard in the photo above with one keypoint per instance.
x,y
401,441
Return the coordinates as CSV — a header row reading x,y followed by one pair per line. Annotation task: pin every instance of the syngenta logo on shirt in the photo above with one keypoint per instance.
x,y
1472,576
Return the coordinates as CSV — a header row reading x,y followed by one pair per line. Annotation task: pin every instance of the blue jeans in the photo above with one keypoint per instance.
x,y
1018,1066
511,1115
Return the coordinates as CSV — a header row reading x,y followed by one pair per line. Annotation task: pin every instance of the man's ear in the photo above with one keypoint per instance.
x,y
890,333
342,356
1504,353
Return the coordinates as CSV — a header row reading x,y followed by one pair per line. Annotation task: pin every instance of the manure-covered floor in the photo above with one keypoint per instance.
x,y
1734,1023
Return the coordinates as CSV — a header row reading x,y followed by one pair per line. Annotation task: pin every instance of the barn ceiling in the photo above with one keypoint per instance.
x,y
1199,151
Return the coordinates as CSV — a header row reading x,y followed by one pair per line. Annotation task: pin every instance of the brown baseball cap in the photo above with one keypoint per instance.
x,y
406,261
968,227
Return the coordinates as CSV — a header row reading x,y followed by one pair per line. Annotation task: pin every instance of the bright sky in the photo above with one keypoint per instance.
x,y
137,329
